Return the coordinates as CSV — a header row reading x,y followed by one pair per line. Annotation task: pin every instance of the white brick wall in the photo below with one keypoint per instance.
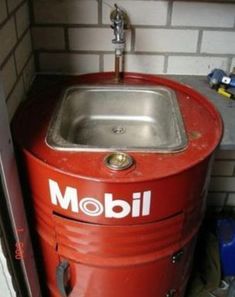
x,y
23,52
15,98
216,199
166,40
15,51
9,75
68,63
137,63
225,155
215,42
203,14
222,186
223,168
12,4
48,38
196,65
190,37
66,12
231,200
93,39
29,73
232,64
140,12
3,10
22,19
7,39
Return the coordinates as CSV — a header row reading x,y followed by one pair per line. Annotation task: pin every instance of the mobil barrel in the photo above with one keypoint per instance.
x,y
117,177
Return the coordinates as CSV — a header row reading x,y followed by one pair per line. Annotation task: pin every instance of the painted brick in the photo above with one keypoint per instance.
x,y
15,98
9,75
231,200
223,168
137,63
216,199
215,42
166,40
7,39
48,38
94,39
67,12
225,155
12,4
3,10
139,12
198,14
22,19
23,52
195,65
223,184
69,63
29,73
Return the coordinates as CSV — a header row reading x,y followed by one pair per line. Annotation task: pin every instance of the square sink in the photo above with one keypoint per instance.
x,y
102,118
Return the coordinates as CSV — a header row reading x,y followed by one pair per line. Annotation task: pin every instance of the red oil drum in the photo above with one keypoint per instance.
x,y
128,233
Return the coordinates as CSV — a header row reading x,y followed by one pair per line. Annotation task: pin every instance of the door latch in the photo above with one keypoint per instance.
x,y
171,293
177,257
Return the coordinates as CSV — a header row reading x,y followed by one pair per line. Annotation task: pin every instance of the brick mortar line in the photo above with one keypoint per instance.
x,y
230,63
66,39
222,176
221,160
101,62
169,13
199,41
226,160
6,2
21,75
221,192
166,63
100,12
16,29
13,49
36,61
31,12
102,26
13,13
13,88
226,200
169,54
133,39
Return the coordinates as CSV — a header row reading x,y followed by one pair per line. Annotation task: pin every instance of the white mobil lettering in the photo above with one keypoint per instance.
x,y
69,197
112,208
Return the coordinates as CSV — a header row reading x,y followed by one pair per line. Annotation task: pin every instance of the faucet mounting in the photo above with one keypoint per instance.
x,y
119,21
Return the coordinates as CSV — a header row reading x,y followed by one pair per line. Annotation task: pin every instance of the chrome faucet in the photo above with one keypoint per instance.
x,y
119,20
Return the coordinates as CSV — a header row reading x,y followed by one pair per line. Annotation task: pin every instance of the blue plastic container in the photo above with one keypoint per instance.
x,y
226,236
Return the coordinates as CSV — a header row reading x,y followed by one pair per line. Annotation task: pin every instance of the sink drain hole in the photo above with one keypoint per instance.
x,y
118,130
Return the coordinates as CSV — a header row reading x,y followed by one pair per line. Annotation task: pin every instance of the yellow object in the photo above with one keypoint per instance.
x,y
225,93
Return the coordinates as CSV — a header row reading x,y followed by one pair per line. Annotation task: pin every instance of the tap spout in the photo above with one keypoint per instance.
x,y
118,18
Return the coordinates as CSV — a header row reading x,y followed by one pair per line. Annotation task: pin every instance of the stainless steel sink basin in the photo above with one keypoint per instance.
x,y
94,118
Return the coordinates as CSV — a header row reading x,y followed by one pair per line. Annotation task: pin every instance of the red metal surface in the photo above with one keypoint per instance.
x,y
82,219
